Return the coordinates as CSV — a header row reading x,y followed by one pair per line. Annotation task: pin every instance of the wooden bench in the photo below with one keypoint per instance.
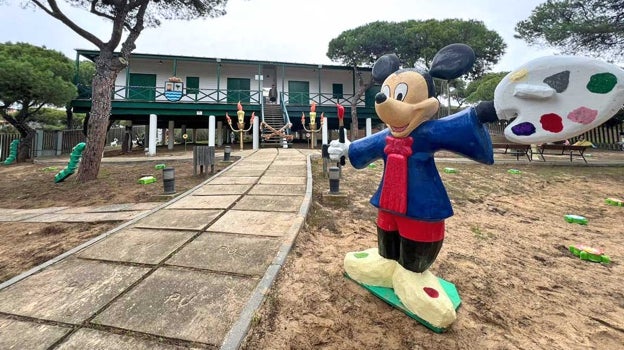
x,y
203,156
562,150
515,149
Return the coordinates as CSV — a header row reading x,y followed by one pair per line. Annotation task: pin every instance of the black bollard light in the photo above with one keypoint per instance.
x,y
334,179
226,153
169,180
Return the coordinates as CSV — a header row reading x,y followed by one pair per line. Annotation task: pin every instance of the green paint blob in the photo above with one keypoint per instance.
x,y
601,83
360,255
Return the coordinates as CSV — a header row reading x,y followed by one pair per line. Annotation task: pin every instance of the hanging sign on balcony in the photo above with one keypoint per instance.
x,y
173,89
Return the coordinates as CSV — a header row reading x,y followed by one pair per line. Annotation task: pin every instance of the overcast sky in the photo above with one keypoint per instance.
x,y
273,30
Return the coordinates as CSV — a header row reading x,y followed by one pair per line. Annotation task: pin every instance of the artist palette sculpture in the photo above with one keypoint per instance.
x,y
557,97
411,199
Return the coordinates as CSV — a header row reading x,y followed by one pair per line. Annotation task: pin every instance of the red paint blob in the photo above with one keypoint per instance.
x,y
431,292
551,122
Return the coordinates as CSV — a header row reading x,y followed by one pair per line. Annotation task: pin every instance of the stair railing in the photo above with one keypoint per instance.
x,y
285,113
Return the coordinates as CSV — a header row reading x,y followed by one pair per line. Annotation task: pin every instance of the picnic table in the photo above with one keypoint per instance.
x,y
515,149
571,150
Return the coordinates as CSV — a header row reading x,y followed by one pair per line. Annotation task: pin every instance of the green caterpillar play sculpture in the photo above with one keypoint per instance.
x,y
12,152
74,158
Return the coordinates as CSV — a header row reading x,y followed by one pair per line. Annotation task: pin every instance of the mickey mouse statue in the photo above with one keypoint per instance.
x,y
411,199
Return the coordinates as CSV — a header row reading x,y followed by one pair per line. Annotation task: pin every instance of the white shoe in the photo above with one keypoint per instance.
x,y
370,268
422,294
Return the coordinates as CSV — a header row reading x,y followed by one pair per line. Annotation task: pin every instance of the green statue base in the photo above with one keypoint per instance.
x,y
387,295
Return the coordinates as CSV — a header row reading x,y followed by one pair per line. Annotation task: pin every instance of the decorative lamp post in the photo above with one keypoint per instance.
x,y
241,123
312,129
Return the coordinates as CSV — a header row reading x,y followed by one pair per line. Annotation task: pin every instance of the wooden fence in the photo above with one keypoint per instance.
x,y
5,142
603,137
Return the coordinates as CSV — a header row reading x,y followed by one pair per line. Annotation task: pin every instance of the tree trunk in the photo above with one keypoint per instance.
x,y
102,88
355,129
27,135
25,146
70,117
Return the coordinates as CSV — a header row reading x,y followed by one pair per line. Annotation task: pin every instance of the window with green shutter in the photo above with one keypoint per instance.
x,y
337,90
192,85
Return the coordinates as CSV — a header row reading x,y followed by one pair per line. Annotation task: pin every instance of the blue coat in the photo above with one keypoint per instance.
x,y
427,199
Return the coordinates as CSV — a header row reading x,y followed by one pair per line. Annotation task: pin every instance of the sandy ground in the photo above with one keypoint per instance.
x,y
28,186
506,250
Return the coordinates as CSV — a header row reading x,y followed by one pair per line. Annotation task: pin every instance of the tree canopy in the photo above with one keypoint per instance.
x,y
131,17
417,42
482,89
423,39
361,46
591,27
30,78
414,42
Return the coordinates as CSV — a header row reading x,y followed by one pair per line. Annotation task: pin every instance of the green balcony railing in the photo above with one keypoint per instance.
x,y
151,93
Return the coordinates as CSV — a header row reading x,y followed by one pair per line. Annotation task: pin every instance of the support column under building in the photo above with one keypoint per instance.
x,y
151,150
170,135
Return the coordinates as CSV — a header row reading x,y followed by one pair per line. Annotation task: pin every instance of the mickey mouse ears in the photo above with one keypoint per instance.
x,y
384,66
452,61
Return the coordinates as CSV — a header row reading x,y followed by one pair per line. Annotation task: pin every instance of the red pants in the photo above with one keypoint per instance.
x,y
414,230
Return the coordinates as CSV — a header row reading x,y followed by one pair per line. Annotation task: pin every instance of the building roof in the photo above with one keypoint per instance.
x,y
92,54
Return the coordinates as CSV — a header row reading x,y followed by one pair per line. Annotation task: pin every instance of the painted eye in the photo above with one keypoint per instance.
x,y
386,90
400,92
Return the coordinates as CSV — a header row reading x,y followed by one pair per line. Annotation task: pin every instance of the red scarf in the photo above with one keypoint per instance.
x,y
394,188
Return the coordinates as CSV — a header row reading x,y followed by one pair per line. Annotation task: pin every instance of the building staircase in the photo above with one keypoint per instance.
x,y
273,129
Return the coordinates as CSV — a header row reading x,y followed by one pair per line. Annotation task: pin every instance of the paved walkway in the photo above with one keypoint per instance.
x,y
113,212
188,273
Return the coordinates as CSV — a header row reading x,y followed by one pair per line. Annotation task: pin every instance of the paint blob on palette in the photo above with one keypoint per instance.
x,y
558,97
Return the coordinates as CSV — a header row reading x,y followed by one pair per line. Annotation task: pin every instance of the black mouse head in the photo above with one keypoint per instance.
x,y
407,96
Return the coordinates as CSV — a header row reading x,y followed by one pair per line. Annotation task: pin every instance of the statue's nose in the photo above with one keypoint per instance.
x,y
380,97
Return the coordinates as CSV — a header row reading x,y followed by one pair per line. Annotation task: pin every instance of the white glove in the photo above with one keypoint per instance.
x,y
337,150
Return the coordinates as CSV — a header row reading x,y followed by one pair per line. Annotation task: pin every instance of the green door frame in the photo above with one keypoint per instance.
x,y
298,92
238,90
144,87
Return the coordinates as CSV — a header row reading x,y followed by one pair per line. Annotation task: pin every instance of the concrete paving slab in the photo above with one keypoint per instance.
x,y
210,189
179,219
70,291
186,304
83,217
264,161
56,217
242,172
16,334
289,163
265,223
74,210
204,202
250,166
270,203
278,190
282,180
228,253
92,339
26,214
144,246
234,180
111,208
144,206
301,172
